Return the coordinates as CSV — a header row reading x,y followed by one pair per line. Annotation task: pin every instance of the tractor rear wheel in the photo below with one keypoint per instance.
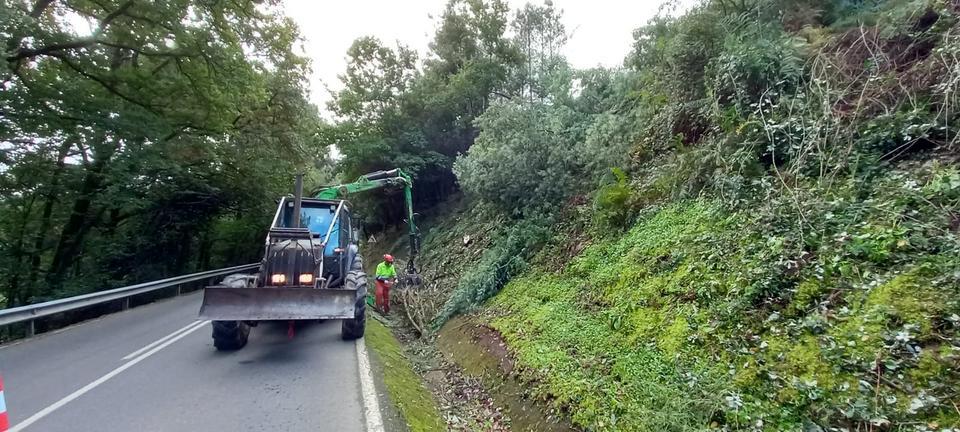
x,y
230,335
354,328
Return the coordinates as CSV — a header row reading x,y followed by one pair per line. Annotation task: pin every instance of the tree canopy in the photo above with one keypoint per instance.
x,y
139,138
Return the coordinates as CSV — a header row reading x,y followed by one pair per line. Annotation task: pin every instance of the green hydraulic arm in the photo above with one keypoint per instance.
x,y
394,178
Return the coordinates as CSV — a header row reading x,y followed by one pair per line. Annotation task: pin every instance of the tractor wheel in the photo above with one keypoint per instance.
x,y
230,335
354,328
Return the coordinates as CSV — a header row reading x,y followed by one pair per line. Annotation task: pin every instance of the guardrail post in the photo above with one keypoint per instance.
x,y
179,289
31,329
125,303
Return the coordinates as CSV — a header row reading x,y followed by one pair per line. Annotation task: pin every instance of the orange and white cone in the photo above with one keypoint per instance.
x,y
4,420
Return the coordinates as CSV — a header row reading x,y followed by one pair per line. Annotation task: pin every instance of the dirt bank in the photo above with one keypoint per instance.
x,y
481,353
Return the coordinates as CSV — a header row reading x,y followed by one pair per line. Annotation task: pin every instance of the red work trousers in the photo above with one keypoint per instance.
x,y
383,297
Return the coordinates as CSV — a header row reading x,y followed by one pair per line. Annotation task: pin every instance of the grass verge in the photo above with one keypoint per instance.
x,y
404,386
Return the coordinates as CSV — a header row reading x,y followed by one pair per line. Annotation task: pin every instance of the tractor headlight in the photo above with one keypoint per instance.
x,y
306,279
278,279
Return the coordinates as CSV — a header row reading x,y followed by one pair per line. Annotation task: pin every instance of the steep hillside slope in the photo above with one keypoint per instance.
x,y
780,253
753,225
704,316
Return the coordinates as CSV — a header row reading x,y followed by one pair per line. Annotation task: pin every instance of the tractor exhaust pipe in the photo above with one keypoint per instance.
x,y
297,199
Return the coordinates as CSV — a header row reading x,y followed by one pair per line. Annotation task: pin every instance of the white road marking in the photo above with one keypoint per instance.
x,y
72,396
161,340
370,404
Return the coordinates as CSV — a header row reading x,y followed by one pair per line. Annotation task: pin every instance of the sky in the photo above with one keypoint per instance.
x,y
601,30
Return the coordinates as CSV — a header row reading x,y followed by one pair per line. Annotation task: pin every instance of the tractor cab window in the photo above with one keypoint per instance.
x,y
317,219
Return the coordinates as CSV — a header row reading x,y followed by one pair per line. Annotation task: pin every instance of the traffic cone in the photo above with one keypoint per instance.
x,y
4,420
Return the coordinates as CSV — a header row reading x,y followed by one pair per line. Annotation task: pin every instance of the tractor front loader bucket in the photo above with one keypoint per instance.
x,y
276,303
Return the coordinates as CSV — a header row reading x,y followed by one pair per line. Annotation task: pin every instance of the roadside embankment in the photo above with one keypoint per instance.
x,y
404,388
481,353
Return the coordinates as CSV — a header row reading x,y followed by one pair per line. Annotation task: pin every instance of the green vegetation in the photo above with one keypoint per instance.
x,y
146,145
405,388
690,319
752,224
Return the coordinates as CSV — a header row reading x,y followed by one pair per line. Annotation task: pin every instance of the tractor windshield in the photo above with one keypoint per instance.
x,y
315,217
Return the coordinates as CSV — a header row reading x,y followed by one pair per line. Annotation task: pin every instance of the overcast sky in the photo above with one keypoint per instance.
x,y
602,30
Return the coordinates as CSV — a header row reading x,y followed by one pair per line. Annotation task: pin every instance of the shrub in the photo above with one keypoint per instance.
x,y
612,207
758,60
525,157
506,258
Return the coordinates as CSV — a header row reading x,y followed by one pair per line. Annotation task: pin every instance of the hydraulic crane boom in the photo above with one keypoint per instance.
x,y
382,180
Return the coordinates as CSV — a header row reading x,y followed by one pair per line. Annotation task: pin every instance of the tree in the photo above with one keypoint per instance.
x,y
472,60
393,115
525,158
375,77
161,118
539,37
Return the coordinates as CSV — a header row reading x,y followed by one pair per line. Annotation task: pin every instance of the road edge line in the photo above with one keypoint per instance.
x,y
371,405
72,396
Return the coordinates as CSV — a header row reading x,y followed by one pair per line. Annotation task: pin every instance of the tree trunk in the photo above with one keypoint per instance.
x,y
49,197
184,248
80,222
203,254
13,287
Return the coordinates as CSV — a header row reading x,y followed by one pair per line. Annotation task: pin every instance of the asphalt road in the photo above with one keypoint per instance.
x,y
148,369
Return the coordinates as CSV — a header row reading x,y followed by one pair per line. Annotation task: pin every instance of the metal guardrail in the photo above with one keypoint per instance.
x,y
31,312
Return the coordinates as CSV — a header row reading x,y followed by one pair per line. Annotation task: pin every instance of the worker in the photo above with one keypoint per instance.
x,y
386,276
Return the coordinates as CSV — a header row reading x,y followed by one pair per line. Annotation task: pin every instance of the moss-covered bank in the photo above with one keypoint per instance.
x,y
701,317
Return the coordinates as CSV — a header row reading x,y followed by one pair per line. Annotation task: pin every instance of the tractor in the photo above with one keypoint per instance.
x,y
311,269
